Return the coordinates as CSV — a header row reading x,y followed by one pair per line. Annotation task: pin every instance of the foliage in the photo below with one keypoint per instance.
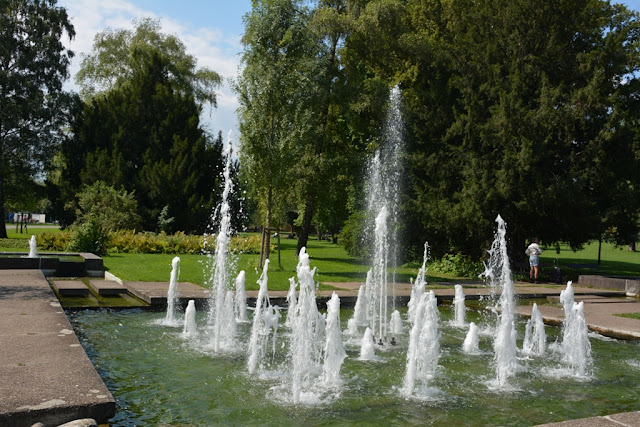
x,y
457,265
130,241
113,209
33,107
89,236
352,235
144,137
118,55
49,241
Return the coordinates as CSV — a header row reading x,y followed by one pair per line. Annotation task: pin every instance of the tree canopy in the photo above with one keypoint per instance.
x,y
33,106
119,54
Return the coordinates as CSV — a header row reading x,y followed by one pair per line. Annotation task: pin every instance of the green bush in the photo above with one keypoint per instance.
x,y
457,265
15,243
351,234
54,241
90,236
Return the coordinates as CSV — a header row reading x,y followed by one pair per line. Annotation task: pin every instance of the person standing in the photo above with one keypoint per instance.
x,y
533,251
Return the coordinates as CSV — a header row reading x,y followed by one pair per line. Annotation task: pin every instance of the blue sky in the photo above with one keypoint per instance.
x,y
210,29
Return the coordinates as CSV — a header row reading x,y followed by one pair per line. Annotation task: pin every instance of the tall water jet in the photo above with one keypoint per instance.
x,y
307,329
334,353
424,347
190,328
219,277
385,174
259,330
241,298
498,272
417,288
378,304
535,339
458,306
172,294
567,299
471,341
33,247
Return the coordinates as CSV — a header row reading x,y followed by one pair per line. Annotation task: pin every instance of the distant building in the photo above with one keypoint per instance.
x,y
30,218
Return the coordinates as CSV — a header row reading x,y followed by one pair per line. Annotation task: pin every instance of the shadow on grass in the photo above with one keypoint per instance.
x,y
352,261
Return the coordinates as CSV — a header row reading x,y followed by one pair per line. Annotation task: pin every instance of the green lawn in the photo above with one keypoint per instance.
x,y
614,261
332,262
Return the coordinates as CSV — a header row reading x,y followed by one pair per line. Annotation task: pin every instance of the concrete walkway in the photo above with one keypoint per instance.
x,y
45,375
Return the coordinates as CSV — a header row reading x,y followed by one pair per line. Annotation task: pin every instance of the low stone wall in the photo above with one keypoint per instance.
x,y
52,265
630,286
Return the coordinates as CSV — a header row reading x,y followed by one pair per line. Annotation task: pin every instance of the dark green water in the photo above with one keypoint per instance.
x,y
158,378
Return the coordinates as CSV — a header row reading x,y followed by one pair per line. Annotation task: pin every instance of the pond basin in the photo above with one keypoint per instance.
x,y
82,264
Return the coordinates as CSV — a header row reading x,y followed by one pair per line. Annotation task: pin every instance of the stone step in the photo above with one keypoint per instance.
x,y
71,288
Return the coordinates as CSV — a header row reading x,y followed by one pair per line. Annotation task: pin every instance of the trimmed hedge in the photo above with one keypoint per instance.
x,y
130,241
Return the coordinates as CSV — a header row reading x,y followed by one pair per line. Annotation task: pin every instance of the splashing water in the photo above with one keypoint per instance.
x,y
367,351
417,288
498,273
535,339
378,294
396,323
424,347
172,294
458,306
575,340
307,329
334,353
219,275
241,298
33,247
259,330
291,301
471,341
190,328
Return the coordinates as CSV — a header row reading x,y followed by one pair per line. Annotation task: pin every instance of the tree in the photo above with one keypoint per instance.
x,y
514,109
145,137
275,45
119,54
33,107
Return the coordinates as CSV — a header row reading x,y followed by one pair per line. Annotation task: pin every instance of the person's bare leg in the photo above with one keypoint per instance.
x,y
531,273
535,272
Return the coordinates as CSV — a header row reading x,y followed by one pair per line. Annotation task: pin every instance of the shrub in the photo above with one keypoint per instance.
x,y
351,235
90,236
54,241
457,265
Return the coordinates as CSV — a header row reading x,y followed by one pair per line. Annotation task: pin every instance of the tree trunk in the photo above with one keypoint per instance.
x,y
632,246
3,229
266,241
599,248
307,217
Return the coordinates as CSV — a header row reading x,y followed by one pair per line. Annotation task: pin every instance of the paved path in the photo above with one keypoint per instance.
x,y
45,375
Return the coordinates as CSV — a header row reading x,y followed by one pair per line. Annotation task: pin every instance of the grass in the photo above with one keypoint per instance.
x,y
32,229
331,261
630,315
614,261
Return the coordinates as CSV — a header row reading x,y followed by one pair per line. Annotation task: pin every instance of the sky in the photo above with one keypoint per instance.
x,y
210,29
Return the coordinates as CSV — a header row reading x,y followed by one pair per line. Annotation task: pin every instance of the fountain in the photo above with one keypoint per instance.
x,y
190,327
33,247
576,348
471,341
218,279
458,306
498,272
535,339
417,287
241,298
424,347
377,298
367,351
259,330
334,353
172,294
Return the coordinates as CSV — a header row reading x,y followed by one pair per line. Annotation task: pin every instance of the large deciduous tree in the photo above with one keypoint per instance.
x,y
119,54
276,44
144,137
33,107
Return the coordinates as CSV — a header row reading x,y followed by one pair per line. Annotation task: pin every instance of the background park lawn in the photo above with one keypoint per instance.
x,y
615,261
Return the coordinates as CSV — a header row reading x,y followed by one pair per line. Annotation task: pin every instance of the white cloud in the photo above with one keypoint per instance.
x,y
209,45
